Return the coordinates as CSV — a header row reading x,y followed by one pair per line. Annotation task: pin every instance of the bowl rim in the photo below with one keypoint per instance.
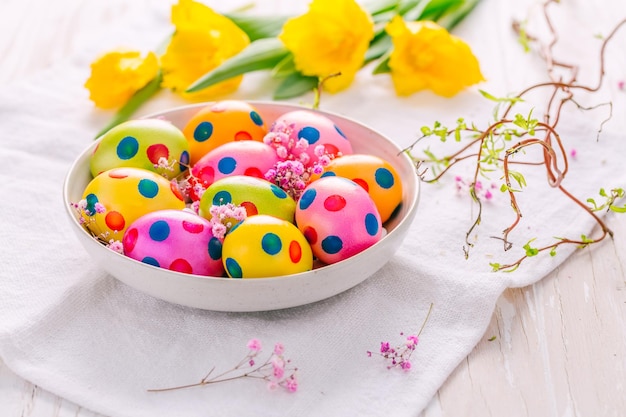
x,y
400,227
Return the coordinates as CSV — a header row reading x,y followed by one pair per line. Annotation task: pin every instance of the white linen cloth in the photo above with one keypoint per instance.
x,y
70,328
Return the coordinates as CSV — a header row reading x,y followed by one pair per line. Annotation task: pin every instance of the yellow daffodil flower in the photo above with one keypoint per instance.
x,y
427,56
203,40
333,36
117,75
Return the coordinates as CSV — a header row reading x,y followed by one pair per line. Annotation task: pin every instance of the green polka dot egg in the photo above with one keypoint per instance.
x,y
265,246
256,195
152,144
117,197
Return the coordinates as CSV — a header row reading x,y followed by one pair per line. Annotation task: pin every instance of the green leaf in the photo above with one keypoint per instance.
x,y
131,106
285,67
258,27
617,209
259,55
530,251
456,13
295,85
378,47
383,64
376,7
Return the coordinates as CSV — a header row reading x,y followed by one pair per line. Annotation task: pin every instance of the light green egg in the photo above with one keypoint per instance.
x,y
256,195
152,144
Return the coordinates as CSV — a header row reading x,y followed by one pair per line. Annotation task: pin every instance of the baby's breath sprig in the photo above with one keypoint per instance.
x,y
400,356
509,134
275,370
85,213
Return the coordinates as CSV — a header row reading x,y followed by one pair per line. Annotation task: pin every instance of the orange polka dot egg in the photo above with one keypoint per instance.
x,y
220,123
155,186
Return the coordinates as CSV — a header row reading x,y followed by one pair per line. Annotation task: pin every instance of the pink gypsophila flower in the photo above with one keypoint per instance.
x,y
254,345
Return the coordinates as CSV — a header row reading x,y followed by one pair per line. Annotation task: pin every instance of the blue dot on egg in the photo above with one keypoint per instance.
x,y
148,188
328,174
256,118
222,197
184,161
233,268
384,178
91,199
150,261
127,148
278,192
332,244
307,198
271,243
309,133
203,131
227,165
371,224
159,231
215,248
340,132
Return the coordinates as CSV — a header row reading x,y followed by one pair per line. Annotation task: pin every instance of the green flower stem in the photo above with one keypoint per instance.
x,y
131,106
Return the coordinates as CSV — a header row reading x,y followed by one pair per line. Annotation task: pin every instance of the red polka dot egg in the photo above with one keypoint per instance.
x,y
377,176
250,158
117,197
315,128
338,218
152,144
177,240
256,195
265,246
222,122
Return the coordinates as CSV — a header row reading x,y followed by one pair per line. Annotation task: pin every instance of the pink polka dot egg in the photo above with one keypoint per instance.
x,y
250,158
177,240
375,175
152,144
338,218
315,128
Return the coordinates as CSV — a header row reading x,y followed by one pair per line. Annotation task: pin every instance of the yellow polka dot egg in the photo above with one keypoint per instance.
x,y
116,198
265,246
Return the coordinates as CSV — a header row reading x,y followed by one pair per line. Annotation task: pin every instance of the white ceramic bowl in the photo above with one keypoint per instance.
x,y
224,294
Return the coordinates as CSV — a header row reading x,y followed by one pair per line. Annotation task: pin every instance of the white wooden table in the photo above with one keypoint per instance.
x,y
556,348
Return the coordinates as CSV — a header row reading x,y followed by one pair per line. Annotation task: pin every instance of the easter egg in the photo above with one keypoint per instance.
x,y
375,175
152,144
222,122
178,240
117,197
256,195
316,129
338,218
250,158
265,246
